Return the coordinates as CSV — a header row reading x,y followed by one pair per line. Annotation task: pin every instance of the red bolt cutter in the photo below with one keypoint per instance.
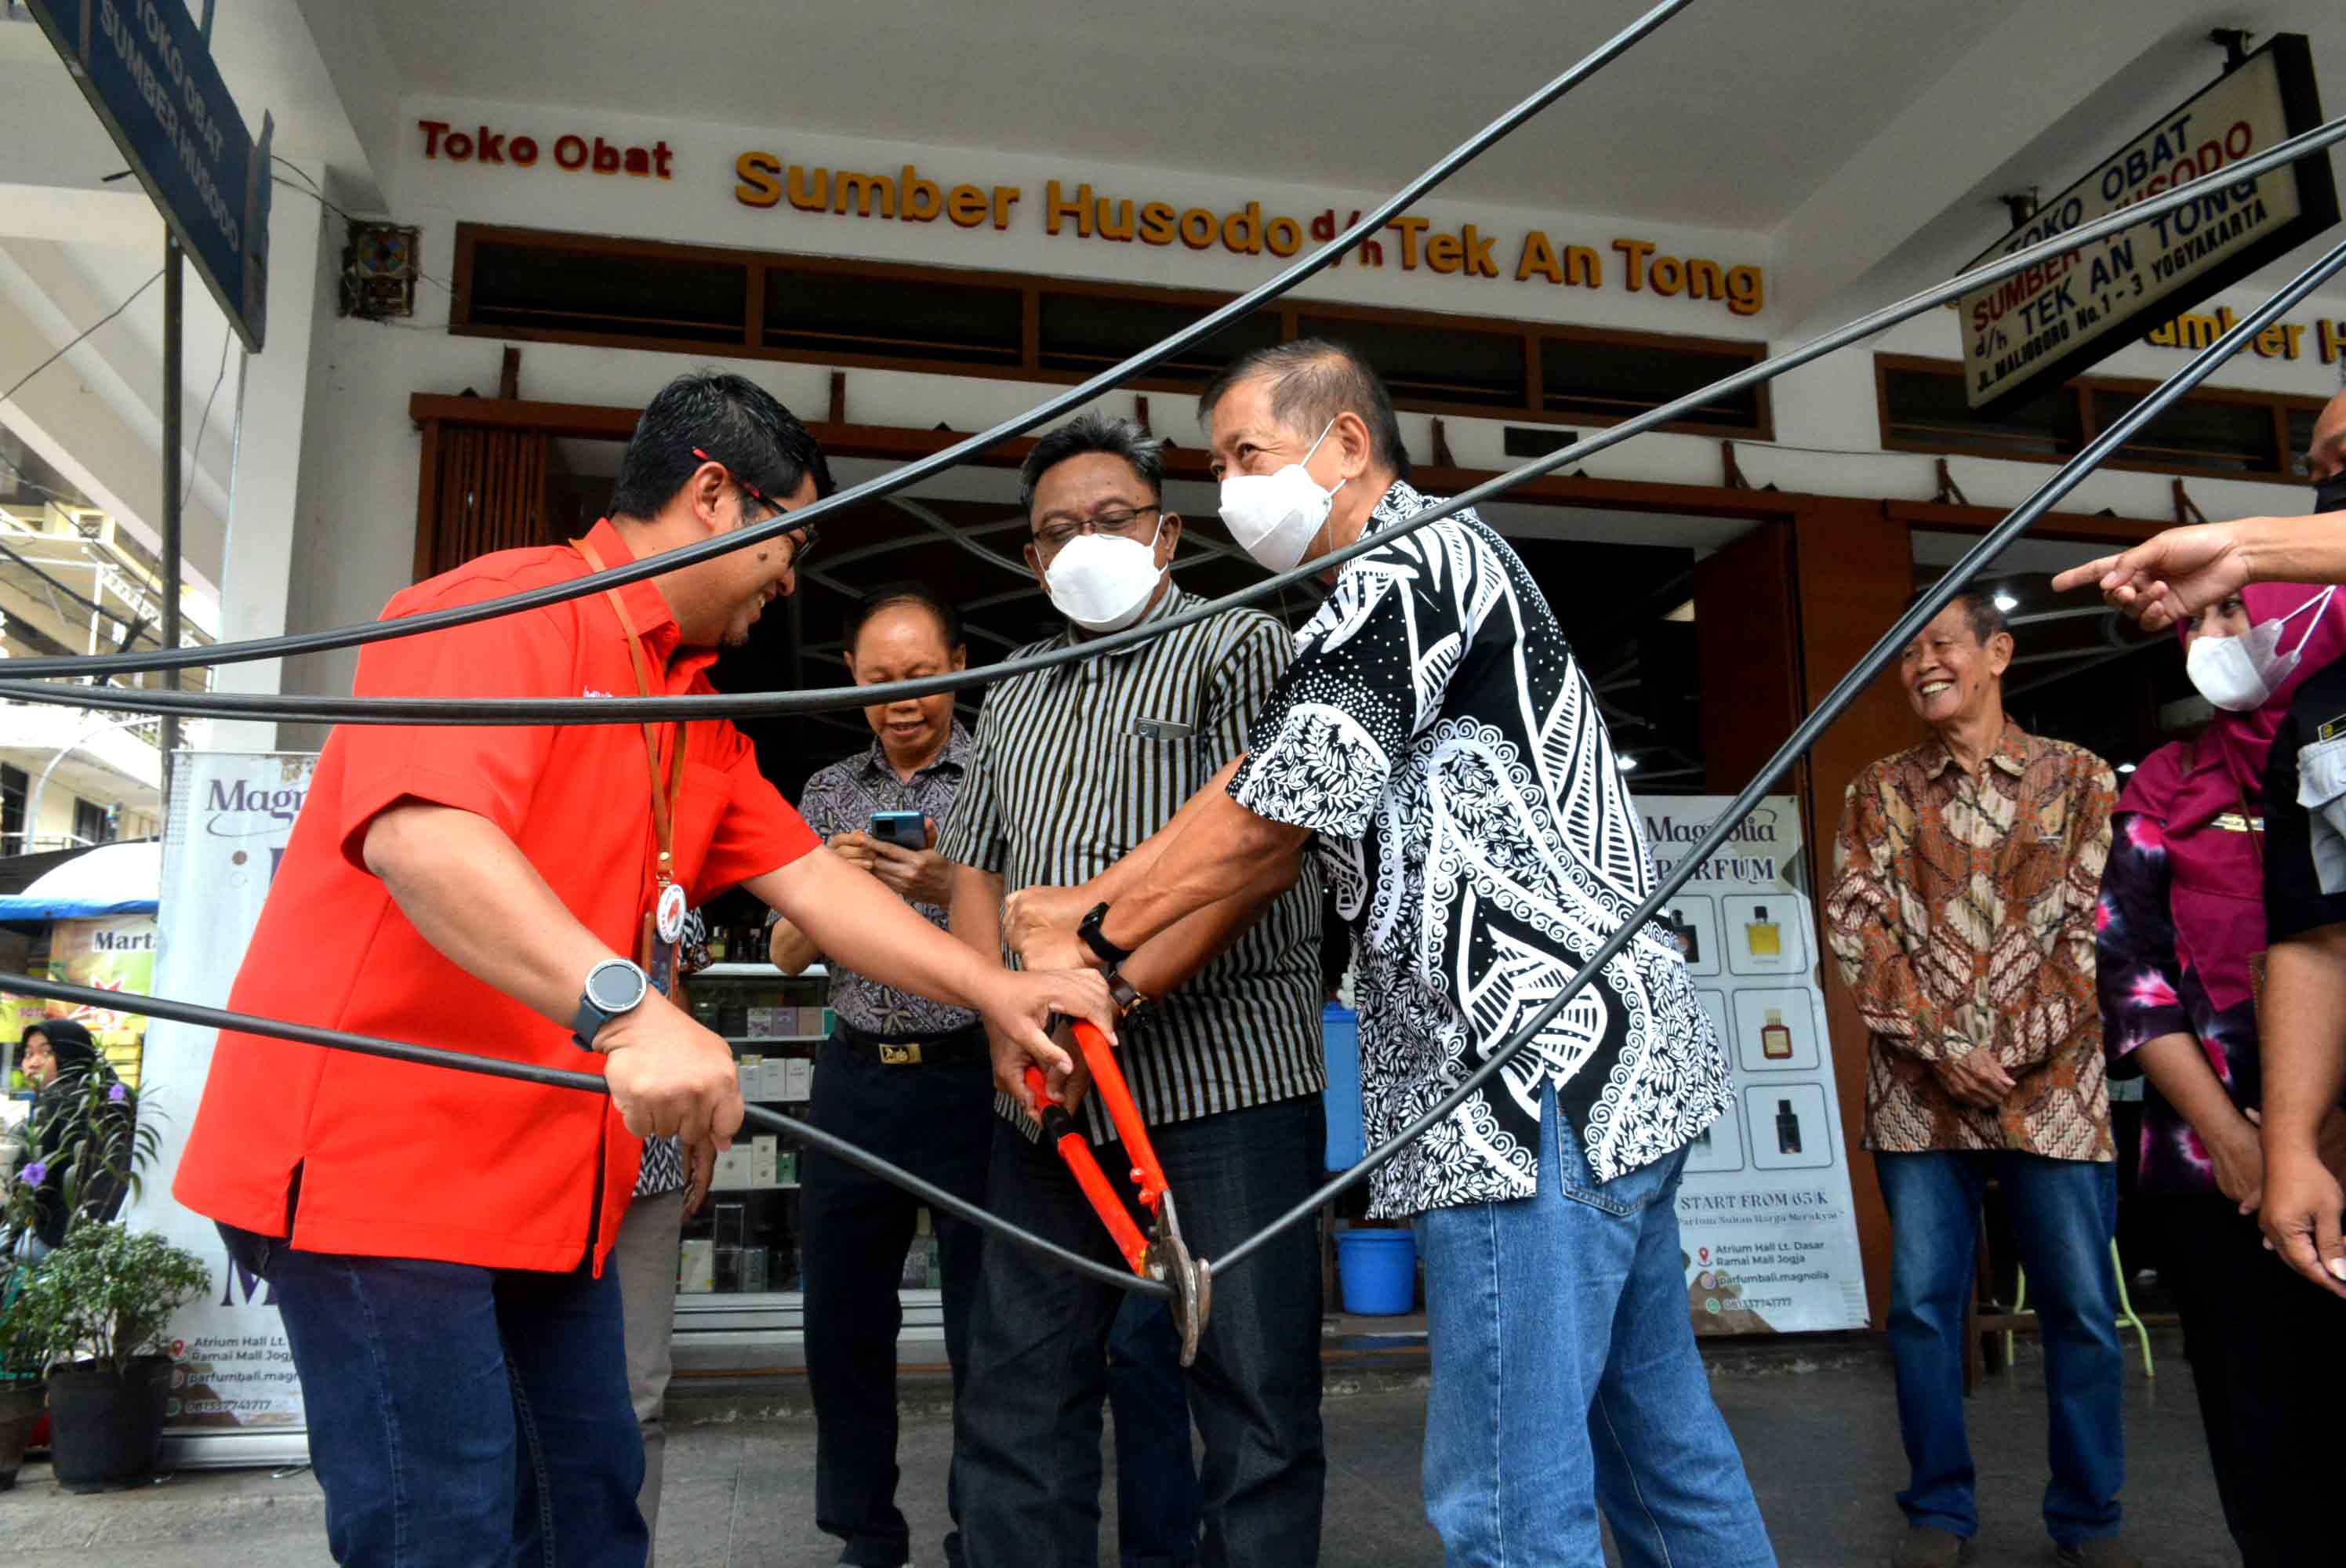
x,y
1161,1253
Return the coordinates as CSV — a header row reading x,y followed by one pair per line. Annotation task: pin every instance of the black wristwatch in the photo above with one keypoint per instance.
x,y
1109,954
613,987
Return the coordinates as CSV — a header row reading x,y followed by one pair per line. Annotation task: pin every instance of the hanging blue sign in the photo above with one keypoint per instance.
x,y
147,69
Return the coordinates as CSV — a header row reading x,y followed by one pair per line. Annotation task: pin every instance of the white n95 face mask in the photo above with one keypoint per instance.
x,y
1275,516
1102,582
2241,674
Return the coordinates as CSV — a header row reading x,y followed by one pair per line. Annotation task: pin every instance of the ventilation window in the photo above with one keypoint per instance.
x,y
1597,378
1444,366
1923,408
2222,433
596,295
1085,333
810,313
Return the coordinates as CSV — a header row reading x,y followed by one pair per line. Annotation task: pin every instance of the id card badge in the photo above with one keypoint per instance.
x,y
658,958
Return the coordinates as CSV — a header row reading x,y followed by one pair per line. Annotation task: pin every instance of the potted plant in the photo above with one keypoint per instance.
x,y
92,1304
97,1309
23,1395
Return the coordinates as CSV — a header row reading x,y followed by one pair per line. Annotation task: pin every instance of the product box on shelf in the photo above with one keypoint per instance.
x,y
797,1078
753,1076
697,1269
733,1169
764,1152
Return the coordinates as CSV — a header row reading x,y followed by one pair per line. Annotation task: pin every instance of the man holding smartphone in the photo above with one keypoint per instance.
x,y
901,1075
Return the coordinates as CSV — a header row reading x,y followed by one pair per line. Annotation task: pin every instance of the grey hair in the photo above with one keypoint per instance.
x,y
1314,380
1088,432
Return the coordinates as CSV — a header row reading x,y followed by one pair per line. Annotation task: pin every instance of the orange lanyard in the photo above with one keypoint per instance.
x,y
665,791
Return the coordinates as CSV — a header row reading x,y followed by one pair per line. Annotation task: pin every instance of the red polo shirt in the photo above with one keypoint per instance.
x,y
404,1161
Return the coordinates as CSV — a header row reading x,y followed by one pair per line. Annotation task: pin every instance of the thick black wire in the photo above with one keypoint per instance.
x,y
1877,659
633,709
799,1132
1975,561
897,479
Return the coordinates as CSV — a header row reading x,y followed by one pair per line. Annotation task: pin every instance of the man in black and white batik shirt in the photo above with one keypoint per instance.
x,y
1438,736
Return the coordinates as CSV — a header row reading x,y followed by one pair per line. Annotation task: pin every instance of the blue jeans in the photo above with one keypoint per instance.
x,y
2063,1213
465,1416
1155,1473
1566,1379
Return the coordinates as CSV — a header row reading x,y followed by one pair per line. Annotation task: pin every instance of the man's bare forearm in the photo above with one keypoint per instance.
x,y
856,921
1131,870
2304,1040
790,949
1165,961
470,892
1218,849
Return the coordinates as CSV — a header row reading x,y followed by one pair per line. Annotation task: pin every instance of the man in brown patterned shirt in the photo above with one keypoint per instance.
x,y
1965,881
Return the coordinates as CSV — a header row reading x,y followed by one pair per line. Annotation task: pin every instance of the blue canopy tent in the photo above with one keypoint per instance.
x,y
109,879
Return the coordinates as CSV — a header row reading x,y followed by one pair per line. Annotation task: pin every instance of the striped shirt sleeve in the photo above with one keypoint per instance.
x,y
973,835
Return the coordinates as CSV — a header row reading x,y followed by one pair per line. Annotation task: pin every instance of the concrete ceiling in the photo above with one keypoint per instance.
x,y
1729,116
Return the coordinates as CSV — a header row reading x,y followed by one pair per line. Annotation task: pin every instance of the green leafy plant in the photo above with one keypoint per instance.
x,y
106,1297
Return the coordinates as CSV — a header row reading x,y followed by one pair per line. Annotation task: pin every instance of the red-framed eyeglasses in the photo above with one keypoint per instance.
x,y
805,531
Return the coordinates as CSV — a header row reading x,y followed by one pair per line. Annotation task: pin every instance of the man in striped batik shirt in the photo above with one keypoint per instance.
x,y
1072,767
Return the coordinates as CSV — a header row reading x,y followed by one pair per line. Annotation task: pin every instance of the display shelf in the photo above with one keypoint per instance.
x,y
778,1100
758,970
775,1039
778,1187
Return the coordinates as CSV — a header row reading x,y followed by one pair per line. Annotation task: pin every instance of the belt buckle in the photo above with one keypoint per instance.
x,y
907,1054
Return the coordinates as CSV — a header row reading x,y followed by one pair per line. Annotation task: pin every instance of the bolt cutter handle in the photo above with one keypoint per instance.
x,y
1077,1151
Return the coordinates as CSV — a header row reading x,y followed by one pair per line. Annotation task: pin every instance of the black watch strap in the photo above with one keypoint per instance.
x,y
1109,954
1124,994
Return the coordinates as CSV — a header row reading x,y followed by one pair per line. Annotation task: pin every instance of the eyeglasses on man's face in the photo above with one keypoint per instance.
x,y
1117,522
800,538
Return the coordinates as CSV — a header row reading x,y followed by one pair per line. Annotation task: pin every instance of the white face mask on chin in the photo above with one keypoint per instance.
x,y
2241,674
1102,582
1275,516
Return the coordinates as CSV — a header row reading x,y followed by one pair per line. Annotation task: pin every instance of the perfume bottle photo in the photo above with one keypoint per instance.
x,y
1683,929
1763,936
1788,1128
1775,1038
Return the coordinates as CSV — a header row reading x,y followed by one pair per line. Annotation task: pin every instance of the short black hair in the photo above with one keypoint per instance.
x,y
912,591
1979,609
732,419
1088,432
1316,380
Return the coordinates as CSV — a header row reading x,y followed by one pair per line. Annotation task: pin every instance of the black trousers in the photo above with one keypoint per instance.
x,y
1026,1440
935,1119
2268,1351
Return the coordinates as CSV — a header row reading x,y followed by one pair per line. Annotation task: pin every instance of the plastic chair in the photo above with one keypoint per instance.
x,y
2127,1319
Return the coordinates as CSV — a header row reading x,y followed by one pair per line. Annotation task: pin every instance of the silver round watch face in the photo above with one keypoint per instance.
x,y
615,986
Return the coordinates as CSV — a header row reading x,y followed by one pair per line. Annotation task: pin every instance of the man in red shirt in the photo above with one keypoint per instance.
x,y
436,1240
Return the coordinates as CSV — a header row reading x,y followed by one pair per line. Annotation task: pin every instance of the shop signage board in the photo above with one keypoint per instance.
x,y
235,1400
2031,331
147,69
113,953
1768,1228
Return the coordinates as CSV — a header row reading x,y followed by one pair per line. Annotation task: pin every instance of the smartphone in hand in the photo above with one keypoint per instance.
x,y
905,830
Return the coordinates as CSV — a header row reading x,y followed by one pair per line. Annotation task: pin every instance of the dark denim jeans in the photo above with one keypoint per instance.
x,y
2062,1215
463,1416
935,1120
1027,1435
1155,1473
1566,1380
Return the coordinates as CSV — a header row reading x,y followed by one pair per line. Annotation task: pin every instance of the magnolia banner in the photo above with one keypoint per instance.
x,y
235,1400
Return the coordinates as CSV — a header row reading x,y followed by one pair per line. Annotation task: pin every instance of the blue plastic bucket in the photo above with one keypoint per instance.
x,y
1339,1029
1379,1268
